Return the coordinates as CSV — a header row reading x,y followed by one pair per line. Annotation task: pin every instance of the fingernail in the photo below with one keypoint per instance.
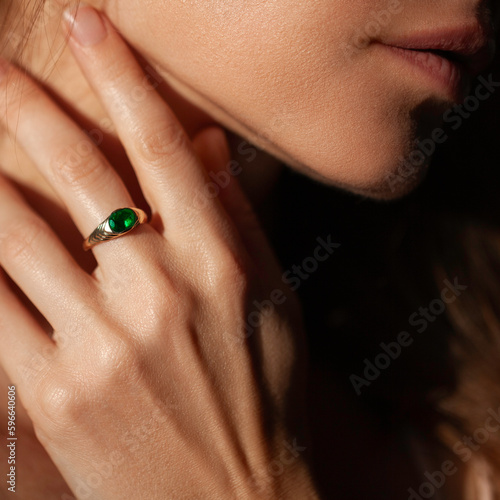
x,y
85,25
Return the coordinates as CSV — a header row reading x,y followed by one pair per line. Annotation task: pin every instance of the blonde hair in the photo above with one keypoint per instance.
x,y
22,22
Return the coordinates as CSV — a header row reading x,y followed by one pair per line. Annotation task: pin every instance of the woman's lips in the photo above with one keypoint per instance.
x,y
447,56
448,76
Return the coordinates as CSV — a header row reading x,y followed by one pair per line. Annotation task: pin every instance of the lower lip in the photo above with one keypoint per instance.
x,y
448,75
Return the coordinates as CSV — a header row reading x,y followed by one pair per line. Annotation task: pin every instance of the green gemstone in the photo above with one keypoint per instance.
x,y
122,220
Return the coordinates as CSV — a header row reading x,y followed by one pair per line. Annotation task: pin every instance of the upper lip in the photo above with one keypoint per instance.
x,y
472,47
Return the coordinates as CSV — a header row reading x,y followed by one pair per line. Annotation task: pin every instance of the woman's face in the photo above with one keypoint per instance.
x,y
309,82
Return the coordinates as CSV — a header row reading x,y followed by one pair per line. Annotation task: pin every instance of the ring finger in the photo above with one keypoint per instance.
x,y
78,171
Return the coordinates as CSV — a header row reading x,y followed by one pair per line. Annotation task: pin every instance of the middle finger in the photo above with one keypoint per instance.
x,y
169,172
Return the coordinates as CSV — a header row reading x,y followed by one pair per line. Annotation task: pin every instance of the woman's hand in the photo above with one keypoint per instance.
x,y
176,369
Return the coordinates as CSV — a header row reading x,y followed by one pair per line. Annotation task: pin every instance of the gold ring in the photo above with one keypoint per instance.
x,y
120,222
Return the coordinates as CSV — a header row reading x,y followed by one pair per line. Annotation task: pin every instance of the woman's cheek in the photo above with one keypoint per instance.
x,y
284,79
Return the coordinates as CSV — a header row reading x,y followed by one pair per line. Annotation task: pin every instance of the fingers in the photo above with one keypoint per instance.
x,y
71,162
25,349
155,141
212,148
37,261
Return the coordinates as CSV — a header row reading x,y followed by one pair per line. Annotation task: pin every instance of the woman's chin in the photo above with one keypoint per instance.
x,y
379,180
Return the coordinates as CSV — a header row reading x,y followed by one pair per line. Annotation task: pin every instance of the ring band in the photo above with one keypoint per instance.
x,y
119,223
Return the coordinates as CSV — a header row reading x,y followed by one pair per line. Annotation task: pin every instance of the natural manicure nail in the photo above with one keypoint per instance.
x,y
86,25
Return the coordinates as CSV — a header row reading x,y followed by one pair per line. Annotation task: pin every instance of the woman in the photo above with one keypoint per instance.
x,y
174,364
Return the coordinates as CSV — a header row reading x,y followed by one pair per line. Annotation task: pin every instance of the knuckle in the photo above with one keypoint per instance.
x,y
79,165
59,402
66,401
21,239
116,365
153,145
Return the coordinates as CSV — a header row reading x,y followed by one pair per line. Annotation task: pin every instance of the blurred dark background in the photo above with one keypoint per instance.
x,y
392,261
